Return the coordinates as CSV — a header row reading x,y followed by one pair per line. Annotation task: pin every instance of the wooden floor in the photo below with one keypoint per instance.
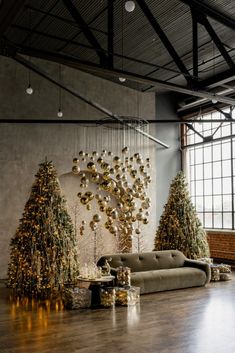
x,y
198,320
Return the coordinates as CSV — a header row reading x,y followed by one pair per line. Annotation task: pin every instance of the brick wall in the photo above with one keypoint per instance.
x,y
222,245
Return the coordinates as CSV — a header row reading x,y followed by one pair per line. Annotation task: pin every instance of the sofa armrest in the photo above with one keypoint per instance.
x,y
201,265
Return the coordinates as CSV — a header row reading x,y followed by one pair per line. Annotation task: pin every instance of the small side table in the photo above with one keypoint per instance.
x,y
94,284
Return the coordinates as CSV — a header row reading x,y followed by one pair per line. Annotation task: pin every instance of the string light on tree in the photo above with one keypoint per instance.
x,y
129,6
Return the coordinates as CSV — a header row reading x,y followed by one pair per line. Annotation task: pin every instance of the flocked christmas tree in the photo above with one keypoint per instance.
x,y
43,250
180,227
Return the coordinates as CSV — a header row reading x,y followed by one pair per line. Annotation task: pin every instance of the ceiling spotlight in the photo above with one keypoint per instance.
x,y
129,6
29,89
60,114
122,79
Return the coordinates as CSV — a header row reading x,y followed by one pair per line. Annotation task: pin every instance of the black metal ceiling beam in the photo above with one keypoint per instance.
x,y
218,79
88,23
9,10
62,19
195,45
211,12
164,39
204,21
115,73
110,32
86,30
106,121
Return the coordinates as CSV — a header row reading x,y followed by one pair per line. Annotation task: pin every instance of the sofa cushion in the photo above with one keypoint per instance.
x,y
167,279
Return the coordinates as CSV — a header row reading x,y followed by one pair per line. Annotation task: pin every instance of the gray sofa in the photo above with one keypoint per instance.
x,y
160,270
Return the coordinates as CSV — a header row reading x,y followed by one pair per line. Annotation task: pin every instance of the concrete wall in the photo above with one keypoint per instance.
x,y
24,146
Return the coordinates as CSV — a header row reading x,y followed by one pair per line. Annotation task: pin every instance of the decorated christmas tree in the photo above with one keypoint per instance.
x,y
43,253
180,227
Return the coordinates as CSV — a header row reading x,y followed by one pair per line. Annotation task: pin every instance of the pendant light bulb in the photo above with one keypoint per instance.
x,y
122,79
29,89
60,113
214,100
129,6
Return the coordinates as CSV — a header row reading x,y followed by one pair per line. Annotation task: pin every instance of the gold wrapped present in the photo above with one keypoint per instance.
x,y
107,296
127,296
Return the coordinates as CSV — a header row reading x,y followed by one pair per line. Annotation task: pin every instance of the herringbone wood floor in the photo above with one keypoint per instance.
x,y
196,320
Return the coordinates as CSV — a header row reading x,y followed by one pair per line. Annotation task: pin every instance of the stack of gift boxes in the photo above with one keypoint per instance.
x,y
220,272
123,294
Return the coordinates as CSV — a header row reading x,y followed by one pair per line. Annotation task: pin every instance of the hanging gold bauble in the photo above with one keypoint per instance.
x,y
107,225
90,195
82,185
136,155
139,216
138,231
81,153
145,205
110,220
92,159
147,213
75,160
91,166
107,198
118,176
110,153
117,160
105,166
102,208
83,159
93,225
96,218
113,229
84,200
83,222
109,210
75,169
117,167
88,207
111,171
125,150
145,221
95,177
133,173
139,161
114,214
98,197
148,165
100,160
106,175
95,153
79,194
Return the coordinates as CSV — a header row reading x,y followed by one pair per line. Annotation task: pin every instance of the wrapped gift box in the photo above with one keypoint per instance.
x,y
107,296
127,296
76,298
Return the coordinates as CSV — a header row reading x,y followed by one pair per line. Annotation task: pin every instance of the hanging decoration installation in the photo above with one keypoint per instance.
x,y
121,177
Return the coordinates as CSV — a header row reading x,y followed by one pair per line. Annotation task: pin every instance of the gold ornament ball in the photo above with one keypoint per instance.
x,y
102,208
89,195
84,200
83,222
91,166
113,229
79,194
75,169
100,160
95,177
138,231
117,160
145,221
95,153
88,207
96,218
81,153
106,175
110,153
75,160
